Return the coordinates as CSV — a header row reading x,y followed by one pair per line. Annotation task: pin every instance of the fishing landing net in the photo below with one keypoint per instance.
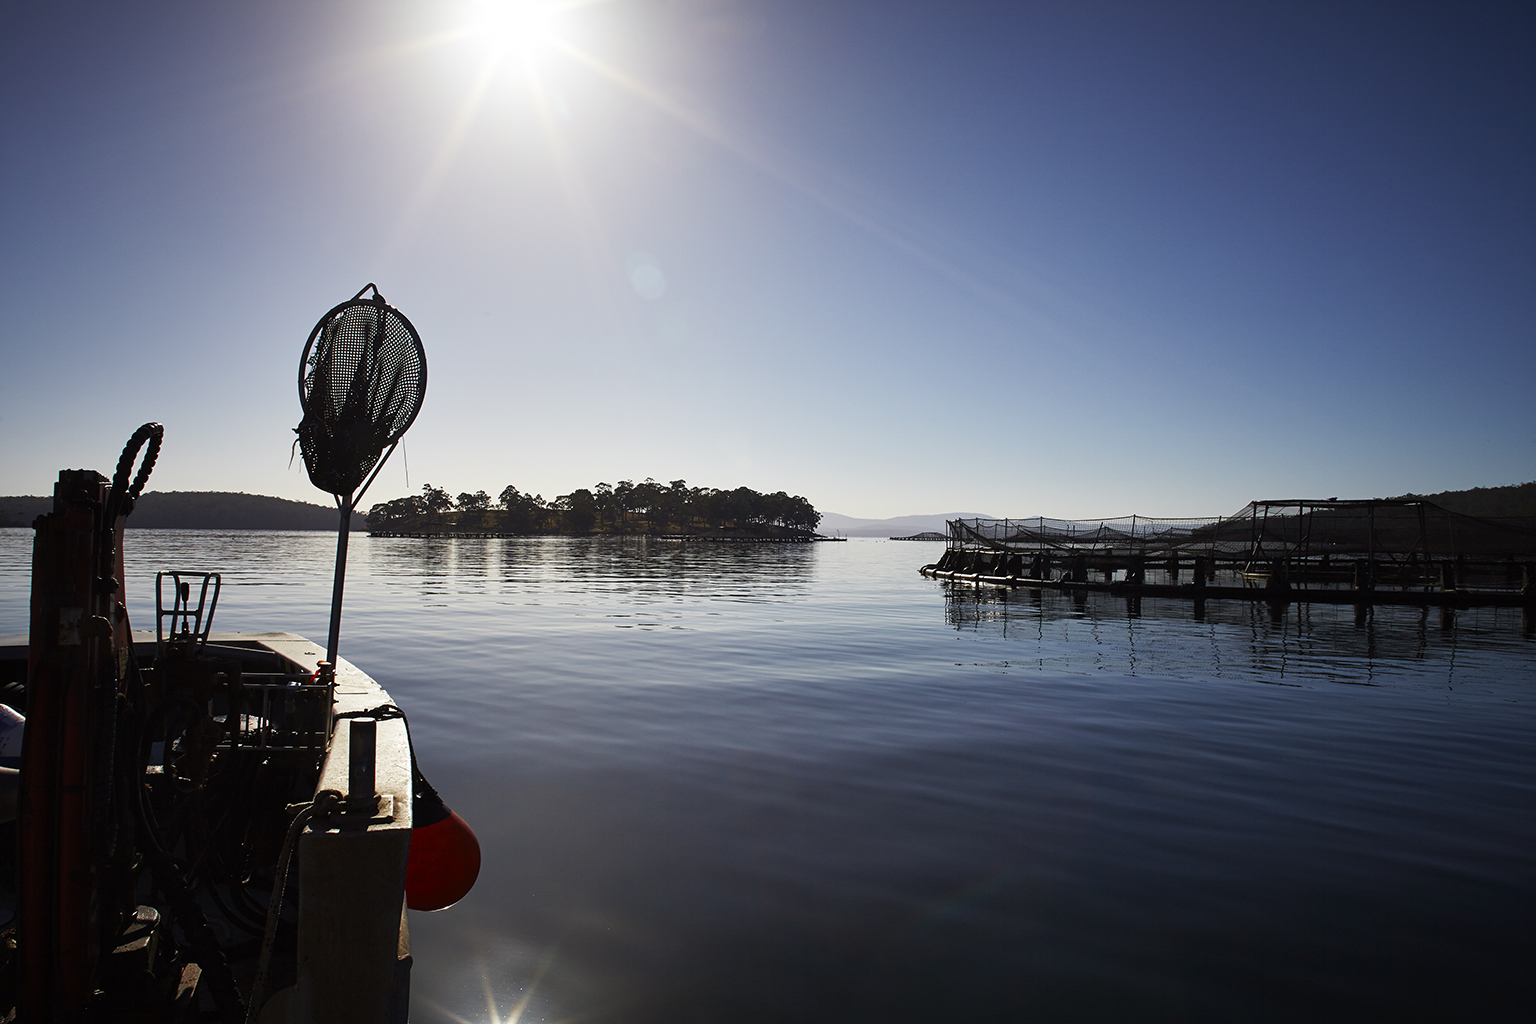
x,y
362,377
361,382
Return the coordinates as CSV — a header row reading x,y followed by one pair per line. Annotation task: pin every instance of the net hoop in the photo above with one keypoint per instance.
x,y
362,376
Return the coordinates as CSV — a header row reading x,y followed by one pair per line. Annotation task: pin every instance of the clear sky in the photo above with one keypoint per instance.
x,y
1064,258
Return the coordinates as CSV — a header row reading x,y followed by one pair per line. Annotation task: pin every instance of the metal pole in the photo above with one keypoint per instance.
x,y
344,531
1370,558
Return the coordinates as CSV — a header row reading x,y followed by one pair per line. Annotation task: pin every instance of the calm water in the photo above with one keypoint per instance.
x,y
802,783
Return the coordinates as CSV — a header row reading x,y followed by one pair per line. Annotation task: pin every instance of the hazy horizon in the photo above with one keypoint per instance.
x,y
864,521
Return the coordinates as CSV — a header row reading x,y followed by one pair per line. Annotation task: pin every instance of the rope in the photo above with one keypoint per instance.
x,y
323,803
154,433
421,788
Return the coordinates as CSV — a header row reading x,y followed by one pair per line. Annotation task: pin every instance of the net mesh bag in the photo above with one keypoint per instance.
x,y
361,382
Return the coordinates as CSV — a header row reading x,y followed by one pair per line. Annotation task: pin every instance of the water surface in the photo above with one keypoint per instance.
x,y
803,783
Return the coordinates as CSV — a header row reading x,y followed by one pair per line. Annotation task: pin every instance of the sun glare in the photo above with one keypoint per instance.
x,y
513,28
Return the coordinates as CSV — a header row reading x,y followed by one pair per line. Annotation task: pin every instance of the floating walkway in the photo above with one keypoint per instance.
x,y
717,538
732,539
1315,595
446,533
1364,552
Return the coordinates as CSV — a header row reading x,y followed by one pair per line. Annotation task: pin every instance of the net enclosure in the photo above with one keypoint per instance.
x,y
1402,541
361,381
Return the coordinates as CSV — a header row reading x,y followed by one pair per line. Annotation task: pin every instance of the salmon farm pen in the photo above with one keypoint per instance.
x,y
1361,552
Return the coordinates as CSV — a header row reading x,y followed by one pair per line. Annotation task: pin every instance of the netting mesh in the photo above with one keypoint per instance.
x,y
1143,534
1388,529
361,383
1405,540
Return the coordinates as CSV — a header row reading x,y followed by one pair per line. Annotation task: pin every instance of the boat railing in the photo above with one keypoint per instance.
x,y
275,712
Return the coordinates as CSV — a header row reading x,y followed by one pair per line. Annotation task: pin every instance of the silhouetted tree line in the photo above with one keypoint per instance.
x,y
1517,501
624,507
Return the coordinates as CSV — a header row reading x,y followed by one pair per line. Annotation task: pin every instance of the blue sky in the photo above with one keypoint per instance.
x,y
1068,259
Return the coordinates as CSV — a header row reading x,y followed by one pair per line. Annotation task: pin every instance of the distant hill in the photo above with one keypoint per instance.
x,y
21,509
196,510
1513,501
834,525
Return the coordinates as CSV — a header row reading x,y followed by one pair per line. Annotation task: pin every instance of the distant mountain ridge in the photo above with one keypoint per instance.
x,y
1513,501
196,510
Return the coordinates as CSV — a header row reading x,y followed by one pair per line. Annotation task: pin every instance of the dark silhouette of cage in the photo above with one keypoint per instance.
x,y
1326,544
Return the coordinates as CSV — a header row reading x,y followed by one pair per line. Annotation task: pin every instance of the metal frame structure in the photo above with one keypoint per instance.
x,y
1276,542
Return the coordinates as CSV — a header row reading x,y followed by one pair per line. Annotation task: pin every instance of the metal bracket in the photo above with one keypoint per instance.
x,y
356,813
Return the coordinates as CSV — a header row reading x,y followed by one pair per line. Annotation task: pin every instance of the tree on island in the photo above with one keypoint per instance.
x,y
625,507
578,510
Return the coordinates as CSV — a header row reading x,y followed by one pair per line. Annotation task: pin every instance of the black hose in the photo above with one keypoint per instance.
x,y
322,804
250,909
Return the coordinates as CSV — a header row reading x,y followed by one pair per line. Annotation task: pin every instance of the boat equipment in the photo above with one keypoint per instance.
x,y
156,818
362,377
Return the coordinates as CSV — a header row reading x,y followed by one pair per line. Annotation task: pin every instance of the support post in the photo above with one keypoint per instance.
x,y
73,851
1278,585
343,532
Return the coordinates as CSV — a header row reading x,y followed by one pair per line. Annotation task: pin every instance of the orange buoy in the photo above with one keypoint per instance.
x,y
445,855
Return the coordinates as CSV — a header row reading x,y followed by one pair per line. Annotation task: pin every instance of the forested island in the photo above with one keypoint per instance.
x,y
622,508
625,507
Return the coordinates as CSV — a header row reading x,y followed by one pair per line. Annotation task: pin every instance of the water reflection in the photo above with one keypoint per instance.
x,y
1079,632
639,568
281,580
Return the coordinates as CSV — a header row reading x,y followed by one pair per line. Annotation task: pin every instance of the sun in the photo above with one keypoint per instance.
x,y
513,28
